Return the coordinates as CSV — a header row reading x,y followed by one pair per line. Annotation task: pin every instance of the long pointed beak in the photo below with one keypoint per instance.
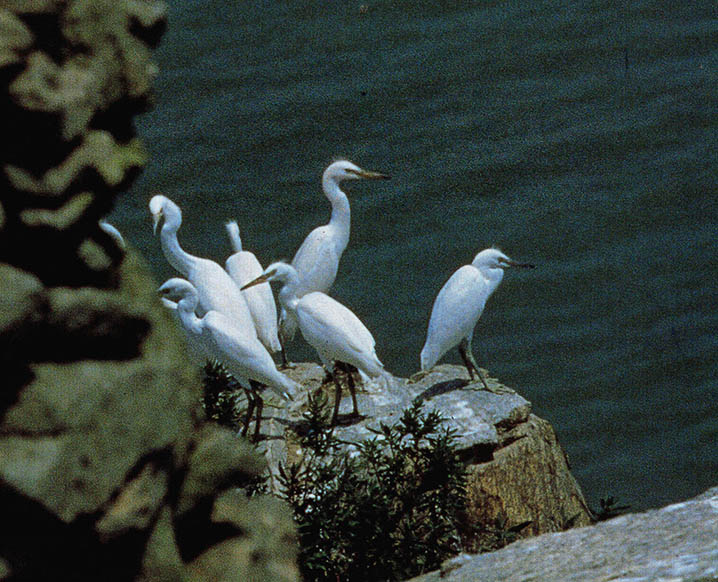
x,y
155,221
372,175
259,280
520,265
168,303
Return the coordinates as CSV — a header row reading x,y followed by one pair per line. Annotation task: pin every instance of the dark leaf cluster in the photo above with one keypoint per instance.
x,y
610,508
385,509
222,395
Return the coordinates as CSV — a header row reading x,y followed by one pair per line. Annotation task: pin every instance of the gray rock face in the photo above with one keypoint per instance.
x,y
677,543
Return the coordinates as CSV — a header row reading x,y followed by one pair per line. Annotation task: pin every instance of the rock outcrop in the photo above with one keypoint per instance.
x,y
107,469
678,543
518,473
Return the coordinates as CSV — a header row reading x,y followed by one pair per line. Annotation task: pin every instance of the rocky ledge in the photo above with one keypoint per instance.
x,y
518,473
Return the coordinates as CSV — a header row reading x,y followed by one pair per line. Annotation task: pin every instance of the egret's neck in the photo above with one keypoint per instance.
x,y
288,293
341,214
493,278
186,311
178,258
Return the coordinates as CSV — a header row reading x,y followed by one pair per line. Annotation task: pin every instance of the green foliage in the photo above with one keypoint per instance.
x,y
223,401
387,509
609,509
479,538
222,396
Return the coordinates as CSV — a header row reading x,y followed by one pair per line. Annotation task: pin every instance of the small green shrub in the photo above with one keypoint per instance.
x,y
222,396
610,508
387,509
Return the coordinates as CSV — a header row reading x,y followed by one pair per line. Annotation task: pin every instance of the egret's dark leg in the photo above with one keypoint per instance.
x,y
283,351
349,370
337,396
250,411
257,406
470,362
260,406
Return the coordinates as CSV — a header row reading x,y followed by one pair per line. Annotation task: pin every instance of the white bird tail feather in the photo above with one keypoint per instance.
x,y
288,390
234,239
429,358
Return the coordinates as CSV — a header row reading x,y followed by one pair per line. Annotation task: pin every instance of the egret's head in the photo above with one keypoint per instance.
x,y
176,289
345,170
162,207
279,271
495,259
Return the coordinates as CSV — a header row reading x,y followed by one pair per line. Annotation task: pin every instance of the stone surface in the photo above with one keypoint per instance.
x,y
527,480
678,543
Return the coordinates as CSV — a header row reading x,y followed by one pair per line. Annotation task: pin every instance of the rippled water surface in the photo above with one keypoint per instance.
x,y
579,137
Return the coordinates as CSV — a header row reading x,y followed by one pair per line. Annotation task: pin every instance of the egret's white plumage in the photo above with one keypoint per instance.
x,y
333,330
215,288
243,267
317,259
459,305
219,337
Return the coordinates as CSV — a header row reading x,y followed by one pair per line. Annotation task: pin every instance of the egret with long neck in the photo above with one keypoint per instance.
x,y
215,288
317,259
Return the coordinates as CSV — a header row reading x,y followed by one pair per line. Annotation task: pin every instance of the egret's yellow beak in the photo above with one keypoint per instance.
x,y
258,281
156,217
366,174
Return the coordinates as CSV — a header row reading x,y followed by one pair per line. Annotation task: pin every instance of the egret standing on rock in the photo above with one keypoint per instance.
x,y
215,288
219,337
243,267
338,336
317,259
459,305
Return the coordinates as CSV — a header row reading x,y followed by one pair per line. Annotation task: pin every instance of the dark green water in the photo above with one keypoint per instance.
x,y
579,136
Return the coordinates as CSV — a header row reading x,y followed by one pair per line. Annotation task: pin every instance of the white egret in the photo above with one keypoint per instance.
x,y
459,305
317,259
243,267
215,288
338,336
220,338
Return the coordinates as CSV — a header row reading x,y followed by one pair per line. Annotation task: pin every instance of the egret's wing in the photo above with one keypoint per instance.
x,y
332,327
456,310
245,356
244,267
231,345
317,261
217,291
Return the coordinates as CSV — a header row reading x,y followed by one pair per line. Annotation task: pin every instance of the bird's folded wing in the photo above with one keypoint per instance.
x,y
331,321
